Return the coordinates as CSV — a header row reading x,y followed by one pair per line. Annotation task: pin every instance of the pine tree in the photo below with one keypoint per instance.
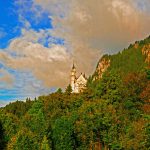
x,y
68,90
59,91
45,145
2,140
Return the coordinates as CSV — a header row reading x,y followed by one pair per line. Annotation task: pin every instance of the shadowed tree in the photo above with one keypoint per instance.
x,y
2,138
68,90
59,91
45,145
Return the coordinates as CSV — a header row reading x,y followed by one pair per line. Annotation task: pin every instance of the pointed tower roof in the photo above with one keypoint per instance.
x,y
84,75
73,67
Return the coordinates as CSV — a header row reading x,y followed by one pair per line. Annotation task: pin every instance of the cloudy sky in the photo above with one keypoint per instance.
x,y
39,39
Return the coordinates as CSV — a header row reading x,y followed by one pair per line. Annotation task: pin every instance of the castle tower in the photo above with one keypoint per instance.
x,y
78,84
73,77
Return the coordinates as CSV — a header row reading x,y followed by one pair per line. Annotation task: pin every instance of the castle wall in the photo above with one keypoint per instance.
x,y
77,84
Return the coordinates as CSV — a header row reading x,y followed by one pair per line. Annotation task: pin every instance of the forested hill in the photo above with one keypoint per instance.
x,y
135,58
113,113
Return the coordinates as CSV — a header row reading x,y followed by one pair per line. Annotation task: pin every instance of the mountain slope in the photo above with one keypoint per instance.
x,y
133,59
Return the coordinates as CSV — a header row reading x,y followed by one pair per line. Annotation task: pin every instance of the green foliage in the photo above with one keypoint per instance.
x,y
63,133
45,145
2,137
59,91
24,140
68,90
109,88
130,60
10,124
35,119
148,74
19,108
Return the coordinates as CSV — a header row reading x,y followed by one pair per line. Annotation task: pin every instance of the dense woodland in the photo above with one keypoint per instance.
x,y
113,113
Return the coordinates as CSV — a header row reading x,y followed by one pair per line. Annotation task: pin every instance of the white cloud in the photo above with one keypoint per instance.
x,y
99,24
49,64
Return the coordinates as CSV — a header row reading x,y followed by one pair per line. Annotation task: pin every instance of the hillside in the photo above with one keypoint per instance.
x,y
135,58
113,113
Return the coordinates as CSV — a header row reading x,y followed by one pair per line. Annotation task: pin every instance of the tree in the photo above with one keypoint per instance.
x,y
148,74
24,140
59,91
135,95
34,120
68,90
109,88
44,144
2,137
63,133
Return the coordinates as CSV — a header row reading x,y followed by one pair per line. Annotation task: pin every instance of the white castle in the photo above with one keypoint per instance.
x,y
77,84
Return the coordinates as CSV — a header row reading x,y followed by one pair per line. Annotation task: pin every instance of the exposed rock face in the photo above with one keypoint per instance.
x,y
102,67
146,52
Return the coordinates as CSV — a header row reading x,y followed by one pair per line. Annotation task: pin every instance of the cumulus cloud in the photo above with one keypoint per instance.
x,y
111,25
46,63
91,28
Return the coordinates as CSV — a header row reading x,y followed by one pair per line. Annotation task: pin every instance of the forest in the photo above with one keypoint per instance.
x,y
112,113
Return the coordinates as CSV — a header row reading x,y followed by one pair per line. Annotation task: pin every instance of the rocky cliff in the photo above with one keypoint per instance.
x,y
146,52
102,66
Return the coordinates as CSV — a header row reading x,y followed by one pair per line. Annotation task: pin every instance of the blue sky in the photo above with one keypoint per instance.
x,y
8,22
39,39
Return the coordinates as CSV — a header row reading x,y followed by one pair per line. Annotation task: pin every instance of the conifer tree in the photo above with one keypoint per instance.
x,y
45,145
59,91
68,90
2,140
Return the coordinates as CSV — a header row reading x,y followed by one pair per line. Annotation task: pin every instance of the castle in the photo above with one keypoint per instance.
x,y
77,84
